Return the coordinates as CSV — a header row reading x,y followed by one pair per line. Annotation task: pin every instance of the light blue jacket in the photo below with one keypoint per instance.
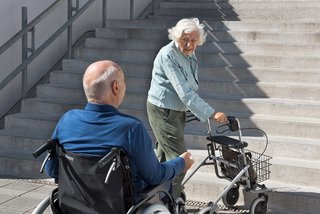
x,y
174,83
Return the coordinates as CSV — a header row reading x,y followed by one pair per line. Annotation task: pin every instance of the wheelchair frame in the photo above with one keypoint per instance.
x,y
240,166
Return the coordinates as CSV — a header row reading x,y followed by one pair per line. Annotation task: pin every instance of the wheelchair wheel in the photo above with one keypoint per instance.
x,y
183,196
259,206
155,208
43,207
232,196
206,211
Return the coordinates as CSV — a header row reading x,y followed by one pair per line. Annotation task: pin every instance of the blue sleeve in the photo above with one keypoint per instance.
x,y
52,168
178,78
150,169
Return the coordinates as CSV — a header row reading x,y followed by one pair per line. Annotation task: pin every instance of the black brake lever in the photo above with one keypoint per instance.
x,y
233,123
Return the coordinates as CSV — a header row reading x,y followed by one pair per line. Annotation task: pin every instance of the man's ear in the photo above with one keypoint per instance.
x,y
115,87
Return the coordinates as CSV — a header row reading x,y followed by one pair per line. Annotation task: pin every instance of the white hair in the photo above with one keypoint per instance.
x,y
96,90
187,26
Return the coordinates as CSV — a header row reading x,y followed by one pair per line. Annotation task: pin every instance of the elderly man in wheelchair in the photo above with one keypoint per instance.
x,y
103,160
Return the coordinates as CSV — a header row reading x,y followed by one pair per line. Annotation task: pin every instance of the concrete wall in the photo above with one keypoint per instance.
x,y
10,24
120,9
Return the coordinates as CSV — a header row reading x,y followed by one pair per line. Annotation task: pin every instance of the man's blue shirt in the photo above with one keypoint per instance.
x,y
92,130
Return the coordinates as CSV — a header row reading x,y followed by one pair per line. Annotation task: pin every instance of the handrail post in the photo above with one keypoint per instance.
x,y
69,31
24,41
155,5
131,9
104,13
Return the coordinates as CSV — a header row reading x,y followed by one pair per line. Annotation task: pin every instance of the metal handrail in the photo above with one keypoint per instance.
x,y
18,35
55,35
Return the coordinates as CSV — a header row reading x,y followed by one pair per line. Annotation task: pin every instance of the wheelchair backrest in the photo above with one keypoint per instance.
x,y
82,187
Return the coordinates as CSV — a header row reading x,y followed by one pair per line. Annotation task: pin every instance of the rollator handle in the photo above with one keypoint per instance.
x,y
233,123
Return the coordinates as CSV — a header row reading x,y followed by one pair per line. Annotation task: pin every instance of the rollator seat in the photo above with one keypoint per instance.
x,y
227,141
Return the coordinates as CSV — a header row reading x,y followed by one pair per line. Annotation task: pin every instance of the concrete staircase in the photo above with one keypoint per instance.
x,y
260,63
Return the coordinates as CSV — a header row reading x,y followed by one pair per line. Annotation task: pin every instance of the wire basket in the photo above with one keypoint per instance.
x,y
259,169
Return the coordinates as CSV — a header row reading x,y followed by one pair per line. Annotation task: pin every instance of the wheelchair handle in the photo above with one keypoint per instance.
x,y
42,149
107,158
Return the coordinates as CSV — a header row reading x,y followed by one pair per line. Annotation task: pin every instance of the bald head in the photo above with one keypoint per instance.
x,y
103,82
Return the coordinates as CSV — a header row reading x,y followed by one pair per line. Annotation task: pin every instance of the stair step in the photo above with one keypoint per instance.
x,y
297,169
75,79
283,197
282,168
246,14
208,48
211,73
217,60
52,105
16,140
20,168
229,35
137,98
32,122
276,146
284,90
162,22
254,5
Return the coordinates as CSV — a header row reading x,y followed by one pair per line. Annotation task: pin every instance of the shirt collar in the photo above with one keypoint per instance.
x,y
100,107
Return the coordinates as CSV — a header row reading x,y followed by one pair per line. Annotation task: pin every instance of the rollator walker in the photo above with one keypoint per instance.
x,y
242,167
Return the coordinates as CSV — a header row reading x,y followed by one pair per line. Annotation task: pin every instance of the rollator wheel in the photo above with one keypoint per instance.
x,y
183,196
259,206
232,196
206,210
181,203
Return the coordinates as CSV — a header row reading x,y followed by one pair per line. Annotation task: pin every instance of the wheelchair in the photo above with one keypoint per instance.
x,y
95,185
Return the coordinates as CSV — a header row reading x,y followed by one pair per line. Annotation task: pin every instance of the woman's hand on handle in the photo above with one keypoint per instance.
x,y
219,117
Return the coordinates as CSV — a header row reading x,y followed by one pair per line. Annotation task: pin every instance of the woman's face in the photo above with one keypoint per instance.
x,y
188,42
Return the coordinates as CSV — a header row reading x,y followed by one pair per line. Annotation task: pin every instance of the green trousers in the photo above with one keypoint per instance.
x,y
168,128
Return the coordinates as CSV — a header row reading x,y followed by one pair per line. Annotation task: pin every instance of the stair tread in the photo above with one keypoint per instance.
x,y
298,162
265,31
276,186
252,68
216,97
312,164
239,115
23,133
203,80
274,139
60,100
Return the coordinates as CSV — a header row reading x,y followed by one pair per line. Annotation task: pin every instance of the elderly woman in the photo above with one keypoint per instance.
x,y
173,91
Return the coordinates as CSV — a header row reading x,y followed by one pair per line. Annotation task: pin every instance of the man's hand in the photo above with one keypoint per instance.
x,y
187,160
